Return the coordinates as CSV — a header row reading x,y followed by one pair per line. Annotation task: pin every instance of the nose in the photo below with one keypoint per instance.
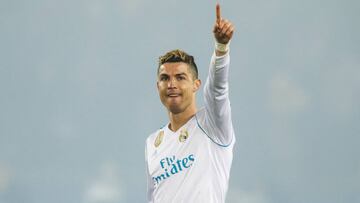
x,y
172,83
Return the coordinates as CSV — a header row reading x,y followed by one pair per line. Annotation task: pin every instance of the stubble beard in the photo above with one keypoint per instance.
x,y
177,108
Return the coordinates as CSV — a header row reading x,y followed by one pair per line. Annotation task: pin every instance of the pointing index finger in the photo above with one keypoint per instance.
x,y
218,13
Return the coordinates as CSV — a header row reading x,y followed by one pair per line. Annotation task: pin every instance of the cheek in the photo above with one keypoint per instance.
x,y
189,91
162,93
160,87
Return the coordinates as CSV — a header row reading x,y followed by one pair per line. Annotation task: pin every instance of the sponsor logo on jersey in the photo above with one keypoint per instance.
x,y
172,166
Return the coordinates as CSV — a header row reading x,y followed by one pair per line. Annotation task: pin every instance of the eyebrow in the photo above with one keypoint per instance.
x,y
178,74
181,74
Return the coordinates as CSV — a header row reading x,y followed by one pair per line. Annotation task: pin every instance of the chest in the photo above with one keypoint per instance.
x,y
177,152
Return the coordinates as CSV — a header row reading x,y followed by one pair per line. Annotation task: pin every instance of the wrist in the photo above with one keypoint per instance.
x,y
222,47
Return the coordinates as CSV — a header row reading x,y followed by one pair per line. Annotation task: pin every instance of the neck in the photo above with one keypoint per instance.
x,y
179,119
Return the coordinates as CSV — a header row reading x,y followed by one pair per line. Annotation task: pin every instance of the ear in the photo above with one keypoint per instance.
x,y
157,85
197,84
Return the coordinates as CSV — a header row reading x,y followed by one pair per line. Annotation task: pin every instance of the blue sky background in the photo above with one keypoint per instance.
x,y
78,96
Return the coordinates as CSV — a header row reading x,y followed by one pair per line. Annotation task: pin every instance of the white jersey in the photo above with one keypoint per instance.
x,y
192,165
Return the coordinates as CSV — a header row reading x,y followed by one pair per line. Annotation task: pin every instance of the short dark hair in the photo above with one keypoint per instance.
x,y
179,56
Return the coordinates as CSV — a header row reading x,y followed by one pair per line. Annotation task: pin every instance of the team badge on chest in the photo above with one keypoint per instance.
x,y
159,138
184,134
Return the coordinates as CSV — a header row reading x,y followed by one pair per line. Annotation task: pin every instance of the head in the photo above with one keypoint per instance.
x,y
177,81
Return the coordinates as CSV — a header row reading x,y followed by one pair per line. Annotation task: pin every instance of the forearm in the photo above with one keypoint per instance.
x,y
219,73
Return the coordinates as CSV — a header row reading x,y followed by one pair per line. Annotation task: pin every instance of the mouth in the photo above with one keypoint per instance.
x,y
173,94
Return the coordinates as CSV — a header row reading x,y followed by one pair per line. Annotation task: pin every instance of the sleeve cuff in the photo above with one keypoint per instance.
x,y
221,61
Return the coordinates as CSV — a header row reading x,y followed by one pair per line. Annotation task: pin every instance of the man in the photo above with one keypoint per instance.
x,y
189,159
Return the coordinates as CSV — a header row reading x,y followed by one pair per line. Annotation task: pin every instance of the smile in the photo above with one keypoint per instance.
x,y
173,95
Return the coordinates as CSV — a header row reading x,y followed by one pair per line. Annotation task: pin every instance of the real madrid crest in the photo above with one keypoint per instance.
x,y
159,138
183,135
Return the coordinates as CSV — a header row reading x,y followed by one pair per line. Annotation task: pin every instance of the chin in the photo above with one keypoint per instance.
x,y
175,109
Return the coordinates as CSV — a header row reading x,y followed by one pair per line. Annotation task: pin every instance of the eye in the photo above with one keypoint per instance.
x,y
164,78
180,77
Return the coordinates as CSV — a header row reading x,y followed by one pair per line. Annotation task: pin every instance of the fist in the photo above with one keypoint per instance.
x,y
223,28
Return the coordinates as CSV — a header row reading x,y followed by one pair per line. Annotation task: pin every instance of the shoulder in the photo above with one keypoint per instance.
x,y
201,113
152,137
223,135
202,120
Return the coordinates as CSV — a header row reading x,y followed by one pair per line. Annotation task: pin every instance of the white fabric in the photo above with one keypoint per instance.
x,y
196,169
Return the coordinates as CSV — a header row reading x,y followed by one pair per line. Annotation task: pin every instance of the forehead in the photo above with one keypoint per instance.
x,y
174,68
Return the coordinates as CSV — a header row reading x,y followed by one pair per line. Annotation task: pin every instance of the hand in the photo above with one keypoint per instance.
x,y
223,29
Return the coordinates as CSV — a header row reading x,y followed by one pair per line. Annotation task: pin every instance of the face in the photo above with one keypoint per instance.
x,y
177,87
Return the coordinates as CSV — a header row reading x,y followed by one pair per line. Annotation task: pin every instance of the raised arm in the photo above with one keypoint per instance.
x,y
217,122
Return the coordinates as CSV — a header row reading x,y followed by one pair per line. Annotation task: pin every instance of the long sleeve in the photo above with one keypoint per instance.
x,y
218,123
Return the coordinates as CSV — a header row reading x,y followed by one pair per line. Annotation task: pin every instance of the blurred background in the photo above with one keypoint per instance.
x,y
78,96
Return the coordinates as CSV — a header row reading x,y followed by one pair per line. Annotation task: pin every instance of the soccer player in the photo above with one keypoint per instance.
x,y
189,159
